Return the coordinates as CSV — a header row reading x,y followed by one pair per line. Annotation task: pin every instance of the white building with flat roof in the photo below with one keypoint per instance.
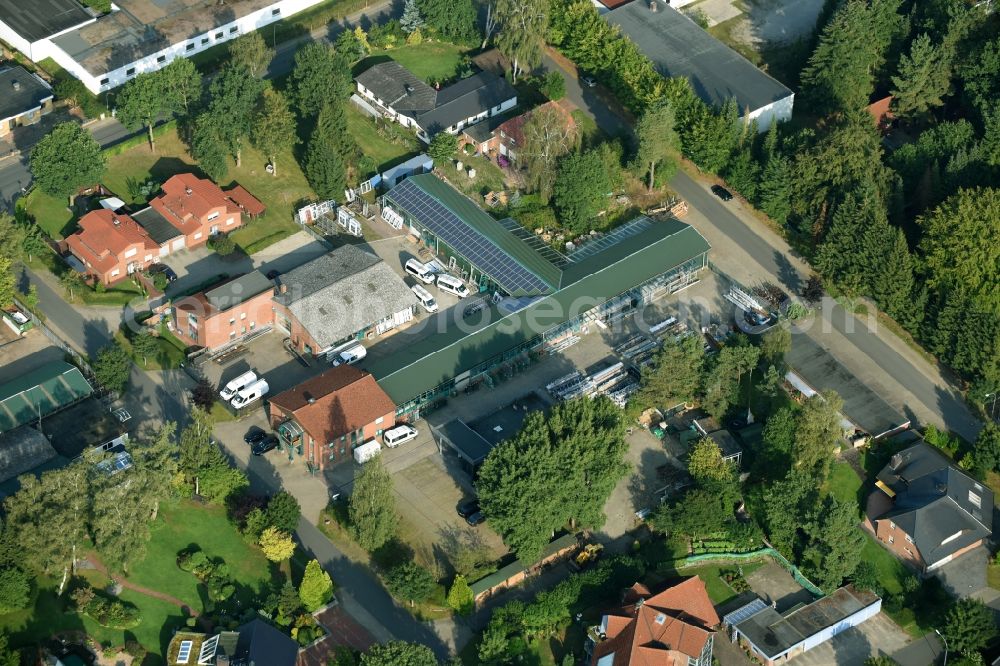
x,y
136,36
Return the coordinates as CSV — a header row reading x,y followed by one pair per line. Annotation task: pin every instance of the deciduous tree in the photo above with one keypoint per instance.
x,y
454,19
409,581
581,189
706,465
372,506
252,53
547,137
112,367
67,159
181,86
8,655
8,282
276,545
235,93
554,471
676,376
442,147
274,128
968,625
522,25
145,344
818,432
398,653
722,386
209,147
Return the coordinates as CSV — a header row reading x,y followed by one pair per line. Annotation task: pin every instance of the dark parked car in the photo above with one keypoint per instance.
x,y
722,193
269,443
467,508
476,518
254,435
166,270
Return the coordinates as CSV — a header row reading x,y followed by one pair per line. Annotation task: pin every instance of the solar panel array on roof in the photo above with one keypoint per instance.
x,y
512,277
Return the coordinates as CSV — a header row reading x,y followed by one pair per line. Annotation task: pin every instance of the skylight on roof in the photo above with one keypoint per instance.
x,y
208,649
184,652
660,618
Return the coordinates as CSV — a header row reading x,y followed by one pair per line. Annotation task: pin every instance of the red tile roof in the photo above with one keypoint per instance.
x,y
104,236
661,629
514,127
343,399
187,200
250,204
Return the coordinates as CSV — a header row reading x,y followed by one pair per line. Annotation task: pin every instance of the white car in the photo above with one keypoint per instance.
x,y
350,356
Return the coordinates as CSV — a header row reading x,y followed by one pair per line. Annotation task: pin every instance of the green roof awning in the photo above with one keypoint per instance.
x,y
41,392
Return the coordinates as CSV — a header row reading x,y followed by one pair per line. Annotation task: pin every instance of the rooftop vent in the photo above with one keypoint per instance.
x,y
308,396
408,88
16,84
654,6
941,487
115,220
187,191
660,618
895,462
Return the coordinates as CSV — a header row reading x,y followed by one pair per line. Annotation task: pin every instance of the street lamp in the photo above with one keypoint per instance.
x,y
945,646
993,407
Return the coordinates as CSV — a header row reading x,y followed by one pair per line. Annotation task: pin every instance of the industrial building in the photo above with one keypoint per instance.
x,y
531,296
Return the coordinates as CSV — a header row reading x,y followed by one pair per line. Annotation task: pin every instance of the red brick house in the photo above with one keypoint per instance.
x,y
507,138
324,418
926,510
199,208
111,246
674,627
225,313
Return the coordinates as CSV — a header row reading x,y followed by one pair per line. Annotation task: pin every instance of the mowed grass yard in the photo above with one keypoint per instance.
x,y
431,61
282,194
385,150
179,526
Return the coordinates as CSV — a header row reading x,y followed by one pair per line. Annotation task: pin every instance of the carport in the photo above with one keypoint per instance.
x,y
470,447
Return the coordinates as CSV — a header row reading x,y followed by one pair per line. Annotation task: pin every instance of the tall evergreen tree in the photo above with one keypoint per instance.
x,y
924,79
657,142
372,506
325,162
411,20
834,543
274,127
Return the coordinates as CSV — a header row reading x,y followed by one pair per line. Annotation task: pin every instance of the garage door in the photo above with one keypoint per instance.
x,y
178,244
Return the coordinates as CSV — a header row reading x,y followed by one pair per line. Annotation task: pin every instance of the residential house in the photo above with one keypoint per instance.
x,y
199,209
24,98
111,246
774,638
345,295
675,626
926,510
399,95
505,137
256,643
225,313
324,418
729,447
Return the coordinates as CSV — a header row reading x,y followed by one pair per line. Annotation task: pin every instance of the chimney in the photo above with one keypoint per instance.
x,y
653,6
895,462
187,191
309,398
283,289
115,220
16,84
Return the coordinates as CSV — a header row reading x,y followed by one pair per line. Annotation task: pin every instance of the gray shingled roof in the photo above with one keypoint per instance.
x,y
338,294
679,47
29,93
260,644
933,502
435,110
398,87
465,99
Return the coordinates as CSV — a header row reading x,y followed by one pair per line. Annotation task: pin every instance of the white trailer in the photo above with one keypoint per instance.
x,y
367,451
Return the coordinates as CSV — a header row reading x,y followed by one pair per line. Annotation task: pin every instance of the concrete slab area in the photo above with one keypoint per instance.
x,y
775,585
877,636
24,354
716,11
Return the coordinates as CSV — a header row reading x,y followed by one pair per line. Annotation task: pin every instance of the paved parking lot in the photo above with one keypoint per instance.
x,y
878,635
24,354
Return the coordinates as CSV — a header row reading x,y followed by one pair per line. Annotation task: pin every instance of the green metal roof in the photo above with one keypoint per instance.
x,y
41,391
517,566
441,357
481,221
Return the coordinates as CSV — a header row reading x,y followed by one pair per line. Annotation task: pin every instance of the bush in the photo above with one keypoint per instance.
x,y
410,582
15,590
107,612
222,244
553,86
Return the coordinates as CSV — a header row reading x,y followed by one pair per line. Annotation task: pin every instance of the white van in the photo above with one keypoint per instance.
x,y
452,285
238,384
351,355
419,270
251,393
399,435
367,451
425,298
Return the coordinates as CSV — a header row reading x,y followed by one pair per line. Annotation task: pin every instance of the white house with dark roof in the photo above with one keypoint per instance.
x,y
399,95
24,98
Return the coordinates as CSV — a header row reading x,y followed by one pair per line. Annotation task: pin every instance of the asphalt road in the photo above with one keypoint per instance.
x,y
937,400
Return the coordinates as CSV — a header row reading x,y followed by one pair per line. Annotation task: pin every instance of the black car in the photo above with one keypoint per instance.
x,y
269,443
476,518
166,270
722,193
254,435
467,508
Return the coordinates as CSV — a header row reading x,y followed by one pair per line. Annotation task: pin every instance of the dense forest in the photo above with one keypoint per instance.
x,y
905,212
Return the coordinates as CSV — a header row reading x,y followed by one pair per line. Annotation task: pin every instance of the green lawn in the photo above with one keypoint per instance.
x,y
430,61
844,483
207,527
489,177
51,214
169,353
282,194
178,526
122,293
391,145
718,590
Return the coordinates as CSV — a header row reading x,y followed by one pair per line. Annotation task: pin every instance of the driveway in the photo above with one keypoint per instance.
x,y
965,576
877,636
